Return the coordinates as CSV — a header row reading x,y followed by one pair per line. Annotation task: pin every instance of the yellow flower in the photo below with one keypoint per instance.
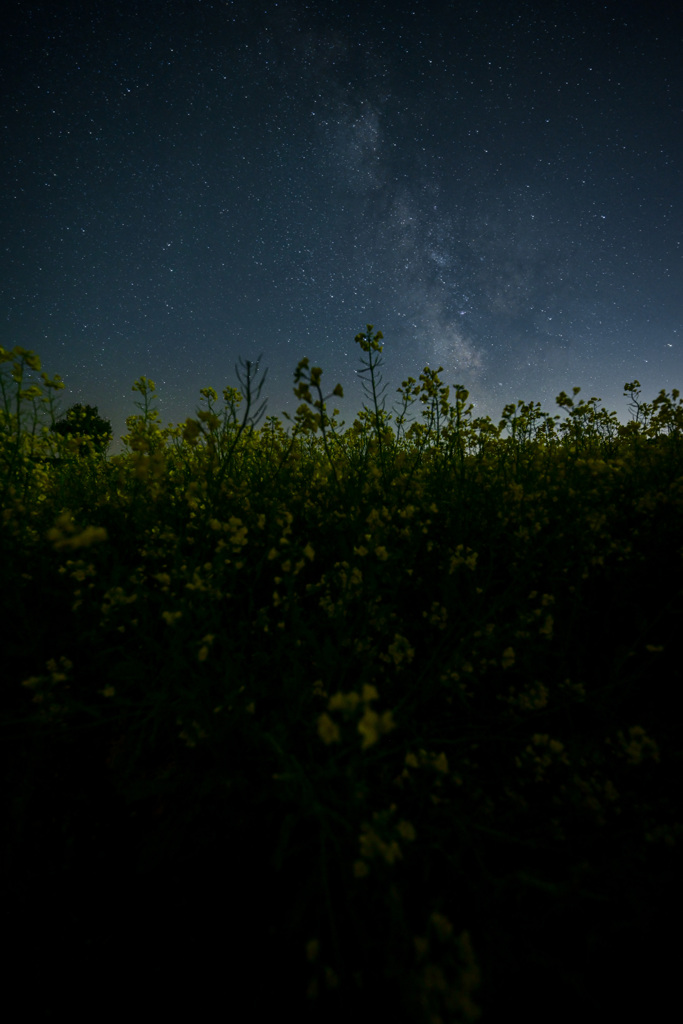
x,y
508,657
399,651
547,627
328,730
191,431
90,535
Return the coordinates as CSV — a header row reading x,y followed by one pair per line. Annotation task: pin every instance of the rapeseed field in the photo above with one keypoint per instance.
x,y
368,723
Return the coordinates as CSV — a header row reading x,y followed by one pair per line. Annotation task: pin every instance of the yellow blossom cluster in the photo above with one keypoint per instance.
x,y
65,534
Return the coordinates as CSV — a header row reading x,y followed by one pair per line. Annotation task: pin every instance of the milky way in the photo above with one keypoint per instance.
x,y
497,187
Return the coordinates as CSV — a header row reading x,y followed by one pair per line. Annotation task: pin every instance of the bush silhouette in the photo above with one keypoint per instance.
x,y
87,428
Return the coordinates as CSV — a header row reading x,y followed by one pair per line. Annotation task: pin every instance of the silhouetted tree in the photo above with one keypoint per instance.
x,y
83,422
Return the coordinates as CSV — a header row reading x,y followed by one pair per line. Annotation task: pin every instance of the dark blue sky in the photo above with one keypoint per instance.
x,y
496,186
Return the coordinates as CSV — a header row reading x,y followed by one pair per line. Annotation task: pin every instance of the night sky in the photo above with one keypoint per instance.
x,y
497,186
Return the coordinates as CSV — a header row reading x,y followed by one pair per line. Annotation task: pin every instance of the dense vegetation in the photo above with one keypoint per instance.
x,y
382,721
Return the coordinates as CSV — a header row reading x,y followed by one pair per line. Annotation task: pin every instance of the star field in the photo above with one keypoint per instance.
x,y
497,187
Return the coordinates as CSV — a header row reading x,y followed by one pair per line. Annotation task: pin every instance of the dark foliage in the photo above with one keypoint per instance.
x,y
84,424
